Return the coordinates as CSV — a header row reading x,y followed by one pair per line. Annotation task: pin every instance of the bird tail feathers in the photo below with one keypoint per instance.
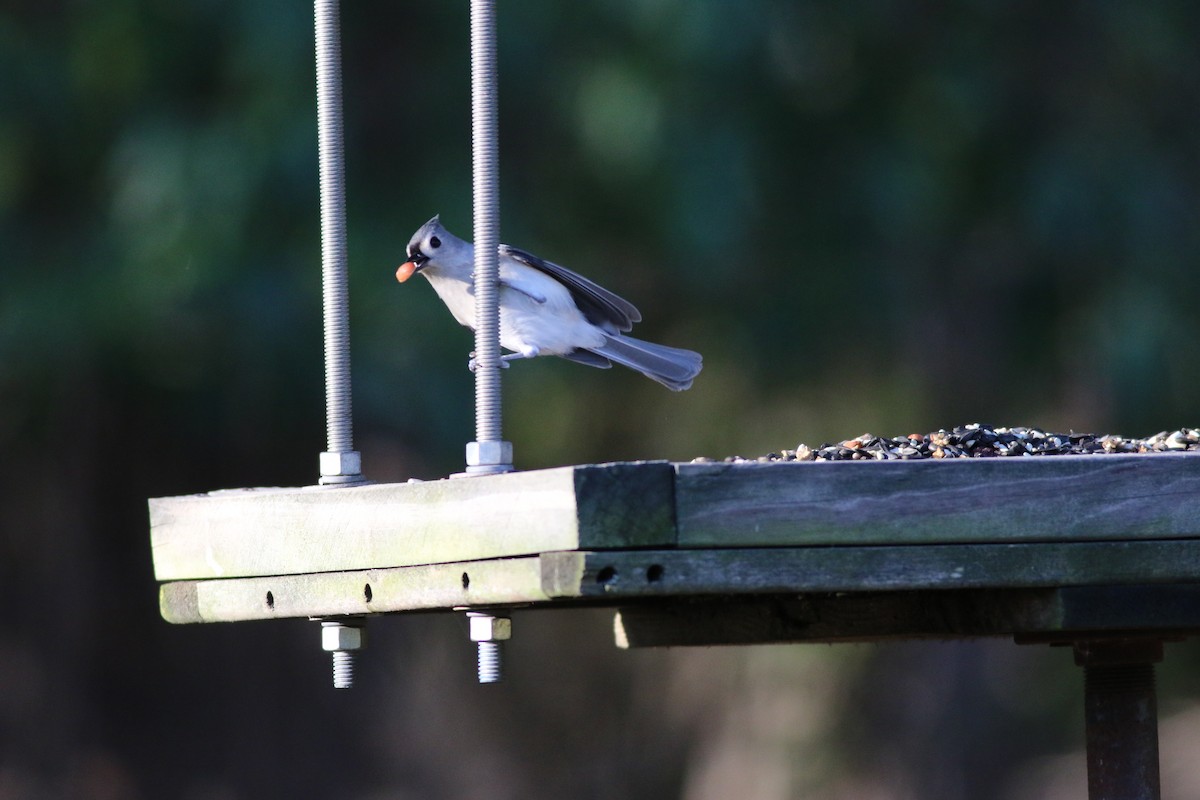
x,y
673,367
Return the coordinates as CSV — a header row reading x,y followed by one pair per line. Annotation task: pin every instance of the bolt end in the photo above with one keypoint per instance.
x,y
343,669
491,662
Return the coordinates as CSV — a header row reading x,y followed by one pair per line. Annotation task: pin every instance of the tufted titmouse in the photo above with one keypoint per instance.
x,y
545,309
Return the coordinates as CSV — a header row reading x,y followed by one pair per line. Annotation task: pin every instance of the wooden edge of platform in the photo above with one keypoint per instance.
x,y
251,533
1040,498
356,592
265,532
615,577
1034,616
870,568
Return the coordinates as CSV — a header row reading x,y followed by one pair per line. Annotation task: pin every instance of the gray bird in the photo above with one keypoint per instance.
x,y
545,309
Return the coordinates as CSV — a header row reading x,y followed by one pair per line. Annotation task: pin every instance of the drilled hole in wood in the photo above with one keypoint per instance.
x,y
367,593
270,601
654,573
606,575
466,581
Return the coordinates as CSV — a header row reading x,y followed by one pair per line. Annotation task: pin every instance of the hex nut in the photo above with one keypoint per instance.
x,y
480,454
485,628
347,463
335,637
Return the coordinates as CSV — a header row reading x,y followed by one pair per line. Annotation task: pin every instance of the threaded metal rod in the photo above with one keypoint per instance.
x,y
489,632
486,173
490,667
343,669
333,244
343,638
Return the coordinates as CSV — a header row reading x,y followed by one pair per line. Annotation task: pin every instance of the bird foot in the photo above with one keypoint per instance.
x,y
473,363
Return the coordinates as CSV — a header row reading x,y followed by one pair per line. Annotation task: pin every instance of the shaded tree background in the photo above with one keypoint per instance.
x,y
891,216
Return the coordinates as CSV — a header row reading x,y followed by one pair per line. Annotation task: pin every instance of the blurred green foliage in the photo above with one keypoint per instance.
x,y
888,215
880,216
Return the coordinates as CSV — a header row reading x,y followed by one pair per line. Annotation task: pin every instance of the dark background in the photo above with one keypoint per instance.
x,y
887,216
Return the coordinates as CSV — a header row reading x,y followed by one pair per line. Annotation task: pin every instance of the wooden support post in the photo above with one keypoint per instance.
x,y
1121,715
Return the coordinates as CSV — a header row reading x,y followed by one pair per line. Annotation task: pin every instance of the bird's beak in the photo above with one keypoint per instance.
x,y
416,260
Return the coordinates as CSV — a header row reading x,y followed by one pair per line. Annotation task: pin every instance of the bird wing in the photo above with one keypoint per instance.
x,y
598,305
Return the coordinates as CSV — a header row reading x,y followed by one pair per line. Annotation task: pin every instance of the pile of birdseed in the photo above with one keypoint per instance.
x,y
981,441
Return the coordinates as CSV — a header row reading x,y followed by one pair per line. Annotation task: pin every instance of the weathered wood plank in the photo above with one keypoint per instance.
x,y
827,618
441,586
258,532
1026,614
1055,498
662,573
615,577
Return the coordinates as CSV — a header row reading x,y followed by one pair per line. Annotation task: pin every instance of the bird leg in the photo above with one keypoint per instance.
x,y
528,351
473,364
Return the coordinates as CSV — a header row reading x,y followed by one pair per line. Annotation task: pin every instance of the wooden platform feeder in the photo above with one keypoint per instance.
x,y
1101,553
1098,552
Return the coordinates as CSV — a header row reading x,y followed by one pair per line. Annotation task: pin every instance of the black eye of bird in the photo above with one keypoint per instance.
x,y
435,242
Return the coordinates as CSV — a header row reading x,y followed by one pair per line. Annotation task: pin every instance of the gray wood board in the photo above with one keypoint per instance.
x,y
865,569
1047,498
616,577
260,532
440,586
1029,615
